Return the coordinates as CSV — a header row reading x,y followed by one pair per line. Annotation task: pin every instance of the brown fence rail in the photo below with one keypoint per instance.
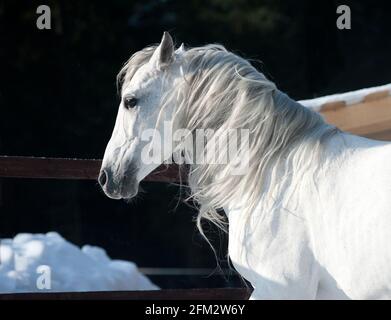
x,y
168,294
59,168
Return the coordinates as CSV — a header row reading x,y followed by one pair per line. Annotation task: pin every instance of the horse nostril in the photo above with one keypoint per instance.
x,y
102,178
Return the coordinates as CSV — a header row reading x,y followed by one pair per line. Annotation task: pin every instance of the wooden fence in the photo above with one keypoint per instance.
x,y
77,169
168,294
58,168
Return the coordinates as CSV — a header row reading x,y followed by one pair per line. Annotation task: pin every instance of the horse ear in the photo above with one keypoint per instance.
x,y
181,49
165,51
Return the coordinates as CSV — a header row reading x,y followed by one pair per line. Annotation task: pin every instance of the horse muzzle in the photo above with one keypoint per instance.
x,y
123,187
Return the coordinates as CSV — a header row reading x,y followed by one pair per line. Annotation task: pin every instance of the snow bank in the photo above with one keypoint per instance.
x,y
349,98
26,259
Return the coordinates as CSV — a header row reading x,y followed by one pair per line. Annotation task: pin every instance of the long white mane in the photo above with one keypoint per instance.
x,y
222,91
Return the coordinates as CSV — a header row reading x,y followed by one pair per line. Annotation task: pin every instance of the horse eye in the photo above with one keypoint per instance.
x,y
130,102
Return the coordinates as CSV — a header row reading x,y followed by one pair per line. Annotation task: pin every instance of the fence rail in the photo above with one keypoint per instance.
x,y
60,168
168,294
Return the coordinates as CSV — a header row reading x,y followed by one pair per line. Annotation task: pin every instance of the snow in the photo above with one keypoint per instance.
x,y
349,98
24,262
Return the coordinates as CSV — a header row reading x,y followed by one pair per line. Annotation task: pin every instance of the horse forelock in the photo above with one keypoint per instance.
x,y
130,67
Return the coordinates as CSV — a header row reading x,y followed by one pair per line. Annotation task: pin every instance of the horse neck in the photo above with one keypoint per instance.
x,y
295,134
299,163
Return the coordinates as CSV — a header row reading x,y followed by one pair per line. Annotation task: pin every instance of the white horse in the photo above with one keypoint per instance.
x,y
309,219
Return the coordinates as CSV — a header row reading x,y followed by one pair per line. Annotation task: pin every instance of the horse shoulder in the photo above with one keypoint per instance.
x,y
274,253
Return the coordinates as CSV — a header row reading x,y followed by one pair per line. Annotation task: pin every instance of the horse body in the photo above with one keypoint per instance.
x,y
352,232
336,244
311,218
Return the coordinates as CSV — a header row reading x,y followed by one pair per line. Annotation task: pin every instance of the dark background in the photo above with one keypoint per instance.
x,y
58,98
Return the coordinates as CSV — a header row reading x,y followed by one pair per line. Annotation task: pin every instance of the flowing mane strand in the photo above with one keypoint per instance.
x,y
222,91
